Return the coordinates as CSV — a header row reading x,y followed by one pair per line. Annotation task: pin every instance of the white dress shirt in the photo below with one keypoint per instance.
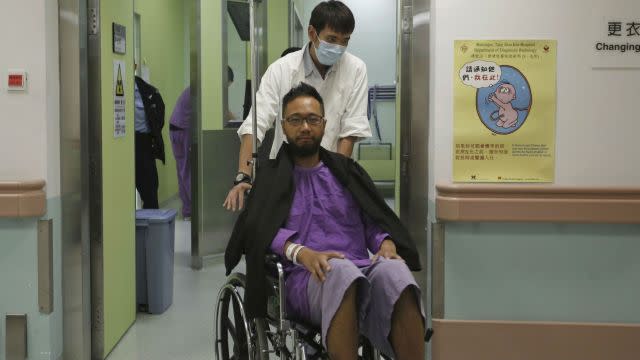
x,y
344,92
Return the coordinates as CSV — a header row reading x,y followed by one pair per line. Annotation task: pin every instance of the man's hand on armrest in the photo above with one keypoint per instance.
x,y
387,251
235,198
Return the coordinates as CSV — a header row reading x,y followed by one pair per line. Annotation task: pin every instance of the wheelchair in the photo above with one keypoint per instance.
x,y
238,338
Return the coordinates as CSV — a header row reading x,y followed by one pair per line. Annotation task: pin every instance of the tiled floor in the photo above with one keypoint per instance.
x,y
185,330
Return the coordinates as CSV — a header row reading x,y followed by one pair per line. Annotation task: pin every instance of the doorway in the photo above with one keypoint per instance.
x,y
189,46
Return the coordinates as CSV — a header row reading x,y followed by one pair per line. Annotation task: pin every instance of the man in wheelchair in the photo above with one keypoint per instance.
x,y
320,212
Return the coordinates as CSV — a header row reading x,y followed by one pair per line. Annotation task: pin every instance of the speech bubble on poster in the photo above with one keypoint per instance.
x,y
480,74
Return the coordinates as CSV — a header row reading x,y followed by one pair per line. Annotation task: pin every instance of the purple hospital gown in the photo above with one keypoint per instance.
x,y
324,216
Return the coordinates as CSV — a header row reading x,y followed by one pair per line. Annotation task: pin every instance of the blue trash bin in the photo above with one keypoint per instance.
x,y
155,244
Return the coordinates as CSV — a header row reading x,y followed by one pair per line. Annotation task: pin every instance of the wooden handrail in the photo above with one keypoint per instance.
x,y
20,199
537,203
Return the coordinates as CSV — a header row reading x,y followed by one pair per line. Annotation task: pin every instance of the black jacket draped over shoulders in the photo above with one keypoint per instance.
x,y
267,210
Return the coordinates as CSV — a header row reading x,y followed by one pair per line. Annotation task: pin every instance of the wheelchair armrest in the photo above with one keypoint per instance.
x,y
271,264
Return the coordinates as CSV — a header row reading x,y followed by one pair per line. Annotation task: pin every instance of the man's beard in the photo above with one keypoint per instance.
x,y
306,150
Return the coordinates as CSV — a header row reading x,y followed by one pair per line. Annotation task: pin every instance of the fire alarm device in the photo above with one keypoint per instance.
x,y
16,80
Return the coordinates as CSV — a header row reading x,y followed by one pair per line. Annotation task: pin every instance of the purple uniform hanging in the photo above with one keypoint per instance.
x,y
180,125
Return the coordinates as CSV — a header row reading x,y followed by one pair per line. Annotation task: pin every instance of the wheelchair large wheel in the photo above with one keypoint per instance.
x,y
237,338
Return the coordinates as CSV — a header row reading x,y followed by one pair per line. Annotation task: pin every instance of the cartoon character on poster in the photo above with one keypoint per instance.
x,y
503,95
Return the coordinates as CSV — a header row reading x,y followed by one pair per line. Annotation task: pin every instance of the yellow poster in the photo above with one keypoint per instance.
x,y
504,110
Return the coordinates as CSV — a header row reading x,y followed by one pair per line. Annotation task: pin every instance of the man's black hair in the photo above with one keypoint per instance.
x,y
303,89
229,74
333,14
290,50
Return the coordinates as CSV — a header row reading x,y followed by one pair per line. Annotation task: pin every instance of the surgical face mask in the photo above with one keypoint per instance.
x,y
329,54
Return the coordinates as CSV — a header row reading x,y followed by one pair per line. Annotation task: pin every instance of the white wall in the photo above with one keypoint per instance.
x,y
597,122
29,141
52,111
30,149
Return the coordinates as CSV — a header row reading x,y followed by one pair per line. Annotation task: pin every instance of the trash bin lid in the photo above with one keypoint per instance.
x,y
156,215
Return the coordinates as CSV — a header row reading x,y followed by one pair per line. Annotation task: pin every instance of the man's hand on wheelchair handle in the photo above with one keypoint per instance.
x,y
387,251
317,263
235,198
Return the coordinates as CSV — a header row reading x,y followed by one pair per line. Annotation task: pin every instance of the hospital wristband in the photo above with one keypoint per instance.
x,y
289,253
295,254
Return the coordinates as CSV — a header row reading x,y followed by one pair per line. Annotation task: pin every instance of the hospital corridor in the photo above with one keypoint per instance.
x,y
319,179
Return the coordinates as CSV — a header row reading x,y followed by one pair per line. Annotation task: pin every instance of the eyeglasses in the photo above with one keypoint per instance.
x,y
312,120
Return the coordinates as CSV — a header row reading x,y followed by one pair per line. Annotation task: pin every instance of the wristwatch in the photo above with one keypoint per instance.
x,y
242,177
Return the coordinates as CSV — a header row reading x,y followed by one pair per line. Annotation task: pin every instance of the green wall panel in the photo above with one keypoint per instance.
x,y
118,183
211,38
542,272
19,279
278,24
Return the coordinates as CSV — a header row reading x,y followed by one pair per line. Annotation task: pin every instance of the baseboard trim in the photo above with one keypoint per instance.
x,y
504,340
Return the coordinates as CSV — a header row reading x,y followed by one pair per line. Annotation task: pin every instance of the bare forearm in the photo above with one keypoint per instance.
x,y
345,145
245,154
